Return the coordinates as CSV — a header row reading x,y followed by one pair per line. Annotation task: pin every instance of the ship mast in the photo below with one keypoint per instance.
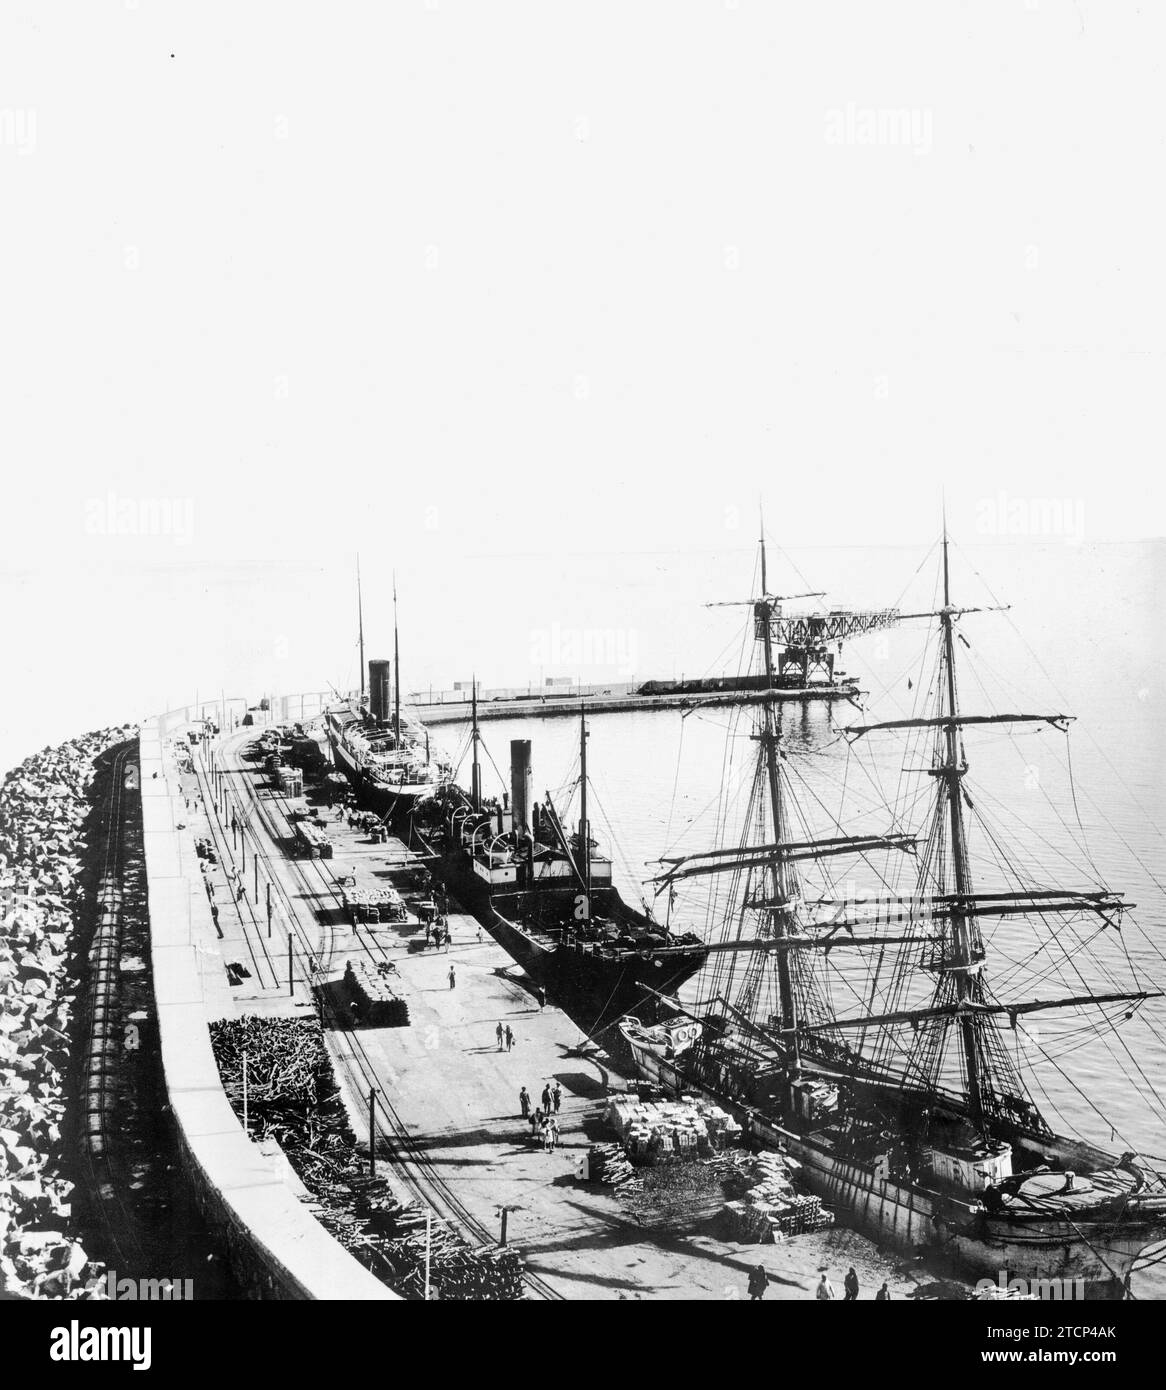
x,y
584,828
476,769
993,1086
396,672
964,961
770,737
360,628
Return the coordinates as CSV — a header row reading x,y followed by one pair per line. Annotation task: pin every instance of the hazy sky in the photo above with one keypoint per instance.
x,y
498,293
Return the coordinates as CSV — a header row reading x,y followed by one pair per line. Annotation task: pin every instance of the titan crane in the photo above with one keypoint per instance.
x,y
805,639
801,642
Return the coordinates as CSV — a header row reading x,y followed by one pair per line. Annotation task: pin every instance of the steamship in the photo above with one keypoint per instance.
x,y
383,750
386,758
546,895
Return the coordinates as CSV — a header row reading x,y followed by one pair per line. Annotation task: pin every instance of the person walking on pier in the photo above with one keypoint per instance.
x,y
452,977
535,1117
758,1283
884,1294
499,1034
542,999
546,1100
524,1102
354,1011
850,1284
557,1097
509,1038
825,1287
552,1134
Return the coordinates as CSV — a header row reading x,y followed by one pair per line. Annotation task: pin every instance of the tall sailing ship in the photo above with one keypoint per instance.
x,y
861,1031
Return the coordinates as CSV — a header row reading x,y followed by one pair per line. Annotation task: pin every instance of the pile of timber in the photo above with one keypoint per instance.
x,y
292,1097
399,1234
608,1164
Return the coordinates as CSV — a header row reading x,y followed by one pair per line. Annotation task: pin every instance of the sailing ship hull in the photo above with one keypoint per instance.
x,y
594,987
1068,1258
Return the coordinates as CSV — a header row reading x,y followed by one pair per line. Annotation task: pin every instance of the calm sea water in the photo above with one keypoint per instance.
x,y
1082,636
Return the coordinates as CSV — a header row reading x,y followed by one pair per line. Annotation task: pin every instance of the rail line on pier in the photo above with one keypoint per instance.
x,y
411,1164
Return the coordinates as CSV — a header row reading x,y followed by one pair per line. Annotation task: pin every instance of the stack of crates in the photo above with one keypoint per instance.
x,y
290,781
380,997
804,1214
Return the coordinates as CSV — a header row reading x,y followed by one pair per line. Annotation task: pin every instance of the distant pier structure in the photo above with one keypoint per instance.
x,y
807,646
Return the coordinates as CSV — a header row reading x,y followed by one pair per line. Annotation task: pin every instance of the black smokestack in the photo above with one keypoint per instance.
x,y
380,690
520,779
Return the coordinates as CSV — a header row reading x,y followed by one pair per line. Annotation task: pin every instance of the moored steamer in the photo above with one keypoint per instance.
x,y
547,896
380,748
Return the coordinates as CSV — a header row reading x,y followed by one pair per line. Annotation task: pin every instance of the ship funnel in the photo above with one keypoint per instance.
x,y
520,780
380,688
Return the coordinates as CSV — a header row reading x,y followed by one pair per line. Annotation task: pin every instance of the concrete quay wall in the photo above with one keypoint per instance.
x,y
277,1247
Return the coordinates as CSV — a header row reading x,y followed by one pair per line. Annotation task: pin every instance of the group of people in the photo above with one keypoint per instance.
x,y
544,1127
759,1282
850,1286
505,1038
437,932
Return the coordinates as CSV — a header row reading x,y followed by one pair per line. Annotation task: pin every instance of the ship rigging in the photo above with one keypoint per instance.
x,y
892,1067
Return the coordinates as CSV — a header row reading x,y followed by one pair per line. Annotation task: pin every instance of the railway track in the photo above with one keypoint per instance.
x,y
138,1206
411,1165
266,973
104,1051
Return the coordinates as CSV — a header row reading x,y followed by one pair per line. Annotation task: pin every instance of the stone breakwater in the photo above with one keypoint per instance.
x,y
43,808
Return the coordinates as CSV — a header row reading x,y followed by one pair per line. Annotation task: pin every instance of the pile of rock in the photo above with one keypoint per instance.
x,y
42,811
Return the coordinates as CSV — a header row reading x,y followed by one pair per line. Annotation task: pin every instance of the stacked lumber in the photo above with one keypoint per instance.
x,y
293,1098
678,1196
395,1235
608,1164
285,1061
804,1213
